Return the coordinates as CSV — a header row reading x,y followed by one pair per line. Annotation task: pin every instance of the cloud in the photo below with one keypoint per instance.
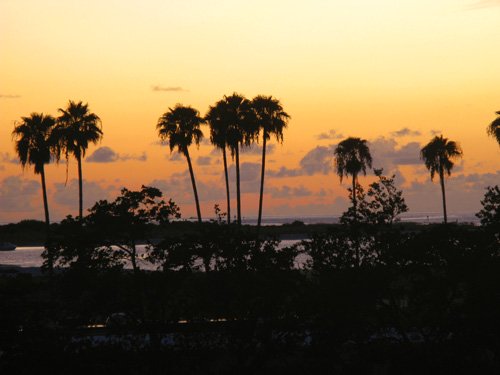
x,y
18,195
318,160
387,155
204,160
107,155
405,132
176,157
7,158
463,193
284,172
331,134
434,132
67,195
286,191
256,149
5,96
168,88
483,4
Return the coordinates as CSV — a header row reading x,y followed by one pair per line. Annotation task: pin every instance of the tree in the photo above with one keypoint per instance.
x,y
494,128
438,156
272,120
33,143
219,138
490,213
76,128
352,156
180,127
241,130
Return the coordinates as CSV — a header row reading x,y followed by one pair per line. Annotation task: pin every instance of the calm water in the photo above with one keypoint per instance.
x,y
32,256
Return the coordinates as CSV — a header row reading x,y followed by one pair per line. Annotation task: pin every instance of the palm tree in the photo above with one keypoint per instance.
x,y
76,128
352,156
180,126
241,130
437,156
34,142
494,128
272,120
33,147
218,137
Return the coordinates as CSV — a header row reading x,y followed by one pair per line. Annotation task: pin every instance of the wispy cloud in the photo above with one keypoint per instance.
x,y
8,158
168,88
483,4
5,96
331,134
404,132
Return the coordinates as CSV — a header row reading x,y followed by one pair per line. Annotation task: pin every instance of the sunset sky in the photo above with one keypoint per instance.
x,y
394,72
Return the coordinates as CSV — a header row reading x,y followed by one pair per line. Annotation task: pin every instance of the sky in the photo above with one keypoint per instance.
x,y
393,72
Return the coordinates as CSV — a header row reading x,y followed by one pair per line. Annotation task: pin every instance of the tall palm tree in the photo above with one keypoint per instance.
x,y
180,126
352,156
494,128
33,147
242,130
76,128
218,137
272,120
437,156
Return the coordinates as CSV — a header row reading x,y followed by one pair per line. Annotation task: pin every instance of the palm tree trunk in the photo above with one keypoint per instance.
x,y
224,158
238,197
45,202
50,256
441,180
262,172
198,212
80,187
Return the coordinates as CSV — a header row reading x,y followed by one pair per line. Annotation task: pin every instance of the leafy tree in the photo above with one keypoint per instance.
x,y
272,120
494,128
438,156
352,156
219,138
128,219
490,213
387,202
76,128
180,126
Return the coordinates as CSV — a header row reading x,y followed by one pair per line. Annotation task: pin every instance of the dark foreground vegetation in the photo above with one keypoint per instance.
x,y
354,299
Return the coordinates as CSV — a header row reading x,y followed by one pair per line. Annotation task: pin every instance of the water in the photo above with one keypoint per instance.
x,y
28,257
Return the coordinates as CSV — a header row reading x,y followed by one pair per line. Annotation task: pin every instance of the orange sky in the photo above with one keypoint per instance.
x,y
361,68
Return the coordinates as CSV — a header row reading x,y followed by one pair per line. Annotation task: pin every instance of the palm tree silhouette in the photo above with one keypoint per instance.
x,y
33,147
352,156
437,156
272,120
76,128
241,130
180,126
218,137
494,128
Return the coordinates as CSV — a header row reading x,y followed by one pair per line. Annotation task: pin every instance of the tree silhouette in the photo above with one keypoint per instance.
x,y
437,156
241,130
33,147
76,128
219,138
180,126
272,120
494,128
34,142
352,156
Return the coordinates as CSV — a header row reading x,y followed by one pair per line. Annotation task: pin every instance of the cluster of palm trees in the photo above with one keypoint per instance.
x,y
234,122
40,138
